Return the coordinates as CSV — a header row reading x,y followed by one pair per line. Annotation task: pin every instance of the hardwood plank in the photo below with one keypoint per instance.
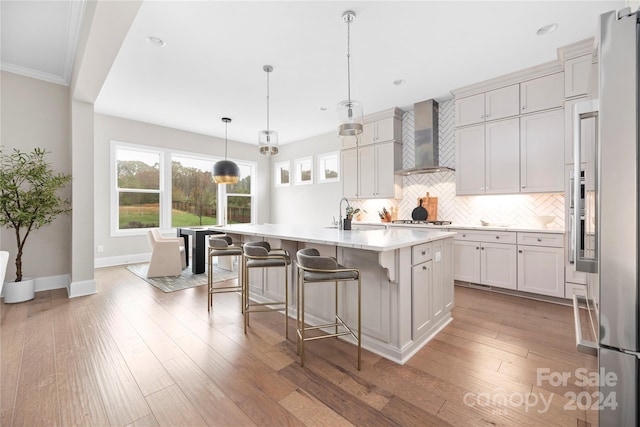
x,y
148,421
406,414
310,411
215,407
37,395
172,408
14,321
345,405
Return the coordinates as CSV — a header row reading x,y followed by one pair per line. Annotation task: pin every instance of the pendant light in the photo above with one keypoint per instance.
x,y
225,171
268,139
350,110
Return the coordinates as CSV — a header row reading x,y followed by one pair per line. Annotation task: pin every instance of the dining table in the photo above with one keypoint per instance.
x,y
198,246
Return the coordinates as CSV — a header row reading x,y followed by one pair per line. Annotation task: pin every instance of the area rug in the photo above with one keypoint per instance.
x,y
185,281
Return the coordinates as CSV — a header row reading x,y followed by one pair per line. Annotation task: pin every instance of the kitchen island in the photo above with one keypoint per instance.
x,y
407,280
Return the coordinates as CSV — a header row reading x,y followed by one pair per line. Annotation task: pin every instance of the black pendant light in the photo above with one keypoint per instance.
x,y
225,171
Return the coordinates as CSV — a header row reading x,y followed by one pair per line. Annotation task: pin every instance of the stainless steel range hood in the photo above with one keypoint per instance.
x,y
427,145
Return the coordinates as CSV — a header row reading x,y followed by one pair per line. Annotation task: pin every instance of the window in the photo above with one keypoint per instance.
x,y
194,195
239,199
328,167
138,188
283,174
304,171
153,187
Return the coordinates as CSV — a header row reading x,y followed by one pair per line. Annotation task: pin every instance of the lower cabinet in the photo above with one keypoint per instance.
x,y
432,285
523,261
484,262
422,279
541,270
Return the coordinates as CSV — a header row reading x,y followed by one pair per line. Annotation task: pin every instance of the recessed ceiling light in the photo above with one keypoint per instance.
x,y
399,82
156,41
323,108
547,29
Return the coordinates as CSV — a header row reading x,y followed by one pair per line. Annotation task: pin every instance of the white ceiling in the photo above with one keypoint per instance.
x,y
212,63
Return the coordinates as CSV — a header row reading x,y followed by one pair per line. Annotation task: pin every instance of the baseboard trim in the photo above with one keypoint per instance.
x,y
49,283
81,288
121,260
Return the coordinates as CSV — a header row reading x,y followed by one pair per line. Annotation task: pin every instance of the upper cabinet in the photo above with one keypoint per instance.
x,y
383,130
576,76
369,163
493,105
542,93
380,127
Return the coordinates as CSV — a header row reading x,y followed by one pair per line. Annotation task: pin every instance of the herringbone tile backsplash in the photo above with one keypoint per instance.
x,y
510,209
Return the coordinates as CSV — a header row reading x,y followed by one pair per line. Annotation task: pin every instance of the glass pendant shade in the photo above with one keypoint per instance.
x,y
268,142
350,118
268,139
225,171
350,121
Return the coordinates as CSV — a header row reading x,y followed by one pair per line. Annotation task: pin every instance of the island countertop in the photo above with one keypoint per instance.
x,y
373,240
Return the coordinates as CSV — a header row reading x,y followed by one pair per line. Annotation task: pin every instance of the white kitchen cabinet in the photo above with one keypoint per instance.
x,y
576,76
466,262
498,265
493,105
541,270
542,93
488,158
470,165
349,165
387,129
438,305
422,288
541,263
368,171
447,274
483,261
542,152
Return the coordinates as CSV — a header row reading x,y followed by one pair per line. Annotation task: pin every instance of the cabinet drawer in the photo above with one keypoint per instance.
x,y
421,253
541,239
486,236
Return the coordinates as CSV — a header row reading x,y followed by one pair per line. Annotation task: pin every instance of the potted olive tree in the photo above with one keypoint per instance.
x,y
28,201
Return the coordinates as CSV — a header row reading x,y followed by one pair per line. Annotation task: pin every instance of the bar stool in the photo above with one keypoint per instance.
x,y
221,246
261,255
314,268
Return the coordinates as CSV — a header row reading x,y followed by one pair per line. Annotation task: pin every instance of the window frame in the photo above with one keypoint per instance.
x,y
166,158
298,165
322,179
278,177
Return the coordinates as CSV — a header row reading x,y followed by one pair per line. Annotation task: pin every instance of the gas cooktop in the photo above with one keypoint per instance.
x,y
426,222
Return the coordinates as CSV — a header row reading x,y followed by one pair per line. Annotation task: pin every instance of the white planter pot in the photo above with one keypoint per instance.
x,y
19,291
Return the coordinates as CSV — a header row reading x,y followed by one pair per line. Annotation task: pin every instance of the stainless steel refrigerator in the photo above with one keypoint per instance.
x,y
606,221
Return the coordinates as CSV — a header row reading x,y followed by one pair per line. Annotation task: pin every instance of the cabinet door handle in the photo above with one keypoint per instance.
x,y
477,247
424,267
464,235
424,252
497,237
524,108
482,248
539,239
523,186
520,251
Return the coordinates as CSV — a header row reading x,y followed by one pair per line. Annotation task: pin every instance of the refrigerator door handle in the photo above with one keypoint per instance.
x,y
582,345
582,110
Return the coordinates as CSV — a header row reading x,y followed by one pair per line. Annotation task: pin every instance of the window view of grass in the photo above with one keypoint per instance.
x,y
194,194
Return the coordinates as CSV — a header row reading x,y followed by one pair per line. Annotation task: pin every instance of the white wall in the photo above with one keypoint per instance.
x,y
313,204
109,128
35,113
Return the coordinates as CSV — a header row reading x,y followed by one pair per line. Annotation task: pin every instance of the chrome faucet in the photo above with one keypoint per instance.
x,y
340,223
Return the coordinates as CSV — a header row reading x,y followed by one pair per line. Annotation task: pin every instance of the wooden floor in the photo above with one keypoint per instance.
x,y
133,355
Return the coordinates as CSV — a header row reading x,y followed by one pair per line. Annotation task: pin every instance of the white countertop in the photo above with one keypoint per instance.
x,y
379,240
521,228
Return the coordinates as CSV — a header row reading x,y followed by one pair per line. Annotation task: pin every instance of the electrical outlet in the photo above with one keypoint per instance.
x,y
100,249
438,256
